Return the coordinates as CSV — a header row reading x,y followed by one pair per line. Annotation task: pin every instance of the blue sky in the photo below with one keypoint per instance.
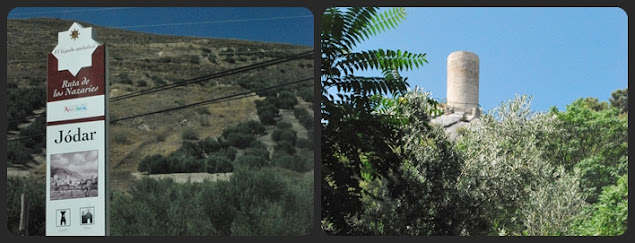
x,y
554,54
268,24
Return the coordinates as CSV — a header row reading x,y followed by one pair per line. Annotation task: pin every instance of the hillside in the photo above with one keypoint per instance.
x,y
139,61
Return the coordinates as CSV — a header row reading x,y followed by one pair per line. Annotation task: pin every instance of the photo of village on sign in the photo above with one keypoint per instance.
x,y
74,175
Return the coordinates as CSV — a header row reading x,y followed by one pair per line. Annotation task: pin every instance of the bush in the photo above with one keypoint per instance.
x,y
287,100
228,152
253,203
202,110
35,190
303,116
17,153
120,138
267,111
305,143
209,145
189,134
204,122
218,164
284,147
158,81
191,149
194,60
306,94
293,162
260,152
240,140
142,83
284,125
287,135
124,78
250,161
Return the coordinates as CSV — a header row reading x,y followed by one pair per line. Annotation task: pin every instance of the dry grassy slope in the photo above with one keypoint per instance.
x,y
145,58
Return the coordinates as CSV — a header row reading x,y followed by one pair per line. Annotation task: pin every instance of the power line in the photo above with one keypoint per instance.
x,y
206,102
213,76
200,79
142,58
213,100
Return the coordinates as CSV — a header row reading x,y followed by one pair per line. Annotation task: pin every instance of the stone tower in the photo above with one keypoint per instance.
x,y
462,91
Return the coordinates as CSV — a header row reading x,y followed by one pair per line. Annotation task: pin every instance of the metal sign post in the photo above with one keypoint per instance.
x,y
76,135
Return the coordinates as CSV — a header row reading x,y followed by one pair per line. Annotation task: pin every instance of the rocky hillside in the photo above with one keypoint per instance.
x,y
139,61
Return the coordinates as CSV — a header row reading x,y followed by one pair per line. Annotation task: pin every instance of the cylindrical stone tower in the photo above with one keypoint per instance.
x,y
462,92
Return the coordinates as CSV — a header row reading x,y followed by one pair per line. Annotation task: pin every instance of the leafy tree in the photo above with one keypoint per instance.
x,y
350,131
619,100
594,141
520,187
610,215
287,99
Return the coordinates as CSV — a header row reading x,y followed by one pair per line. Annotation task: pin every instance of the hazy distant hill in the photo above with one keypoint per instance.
x,y
62,173
139,61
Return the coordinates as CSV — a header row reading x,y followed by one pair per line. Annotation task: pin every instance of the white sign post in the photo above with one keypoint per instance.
x,y
77,136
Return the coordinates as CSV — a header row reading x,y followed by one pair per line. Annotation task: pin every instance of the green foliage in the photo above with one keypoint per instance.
x,y
619,99
142,83
202,110
124,78
21,102
284,147
350,131
241,135
521,189
287,100
120,138
218,164
287,134
267,111
250,161
295,162
608,217
306,94
594,141
190,134
253,202
34,189
209,145
303,116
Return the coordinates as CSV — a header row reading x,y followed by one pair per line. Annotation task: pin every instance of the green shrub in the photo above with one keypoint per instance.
x,y
284,125
35,190
287,100
240,140
158,81
204,122
218,164
284,147
250,161
266,111
194,60
261,152
189,134
293,162
124,78
304,143
202,110
287,135
228,152
209,145
142,83
120,138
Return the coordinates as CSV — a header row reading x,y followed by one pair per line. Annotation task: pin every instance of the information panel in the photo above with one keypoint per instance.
x,y
77,136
